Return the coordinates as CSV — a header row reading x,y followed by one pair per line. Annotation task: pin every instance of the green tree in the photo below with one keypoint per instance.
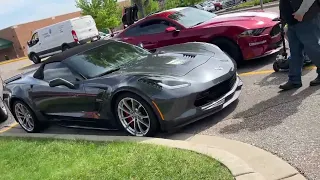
x,y
106,13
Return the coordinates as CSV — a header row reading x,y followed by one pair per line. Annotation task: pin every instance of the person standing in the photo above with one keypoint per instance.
x,y
303,19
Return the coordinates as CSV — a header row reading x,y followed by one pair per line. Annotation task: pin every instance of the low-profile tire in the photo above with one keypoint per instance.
x,y
230,48
139,121
26,118
65,47
35,58
3,112
276,67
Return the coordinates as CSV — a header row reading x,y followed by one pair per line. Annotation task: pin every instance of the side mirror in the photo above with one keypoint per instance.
x,y
61,82
171,29
140,45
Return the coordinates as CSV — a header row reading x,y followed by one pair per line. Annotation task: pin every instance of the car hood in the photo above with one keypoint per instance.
x,y
169,64
245,19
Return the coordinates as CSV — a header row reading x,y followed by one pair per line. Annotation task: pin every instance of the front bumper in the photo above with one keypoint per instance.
x,y
253,47
197,113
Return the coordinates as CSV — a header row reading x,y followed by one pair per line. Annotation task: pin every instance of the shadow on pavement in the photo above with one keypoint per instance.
x,y
277,78
271,112
255,64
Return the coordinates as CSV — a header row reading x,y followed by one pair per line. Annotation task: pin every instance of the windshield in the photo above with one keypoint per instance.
x,y
105,58
189,17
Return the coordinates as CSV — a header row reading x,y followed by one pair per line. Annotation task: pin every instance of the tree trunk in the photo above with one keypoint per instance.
x,y
140,7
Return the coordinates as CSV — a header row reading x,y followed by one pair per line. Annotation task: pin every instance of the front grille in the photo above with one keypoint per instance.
x,y
215,92
275,30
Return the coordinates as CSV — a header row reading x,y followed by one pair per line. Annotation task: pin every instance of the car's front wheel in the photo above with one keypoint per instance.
x,y
26,118
231,48
135,115
3,112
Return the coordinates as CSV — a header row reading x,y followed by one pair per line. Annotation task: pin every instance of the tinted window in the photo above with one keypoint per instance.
x,y
57,70
150,27
107,57
189,17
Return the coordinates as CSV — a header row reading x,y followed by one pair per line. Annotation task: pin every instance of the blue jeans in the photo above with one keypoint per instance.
x,y
304,36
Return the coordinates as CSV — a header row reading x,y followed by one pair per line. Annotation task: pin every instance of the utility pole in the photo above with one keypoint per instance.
x,y
261,4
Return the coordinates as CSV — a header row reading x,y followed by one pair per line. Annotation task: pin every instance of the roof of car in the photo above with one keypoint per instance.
x,y
76,50
66,54
168,12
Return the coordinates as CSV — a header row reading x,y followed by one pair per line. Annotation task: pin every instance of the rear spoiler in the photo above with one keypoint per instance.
x,y
129,15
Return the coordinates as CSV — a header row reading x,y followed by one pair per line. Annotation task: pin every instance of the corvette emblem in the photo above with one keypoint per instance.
x,y
218,68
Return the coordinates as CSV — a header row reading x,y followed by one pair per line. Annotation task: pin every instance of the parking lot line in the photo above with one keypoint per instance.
x,y
13,60
269,71
9,127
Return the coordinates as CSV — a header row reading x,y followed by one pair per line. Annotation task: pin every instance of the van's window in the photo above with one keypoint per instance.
x,y
107,57
35,36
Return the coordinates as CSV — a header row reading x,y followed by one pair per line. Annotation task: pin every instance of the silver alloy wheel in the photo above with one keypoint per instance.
x,y
3,107
133,116
24,117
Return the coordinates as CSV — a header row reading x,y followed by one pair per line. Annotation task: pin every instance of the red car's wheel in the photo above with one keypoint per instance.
x,y
230,48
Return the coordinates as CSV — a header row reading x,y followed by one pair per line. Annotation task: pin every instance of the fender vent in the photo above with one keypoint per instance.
x,y
189,56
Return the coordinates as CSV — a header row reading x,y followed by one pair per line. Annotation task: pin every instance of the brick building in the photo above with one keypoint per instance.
x,y
13,40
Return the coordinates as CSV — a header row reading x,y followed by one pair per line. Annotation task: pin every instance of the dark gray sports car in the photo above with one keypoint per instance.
x,y
110,84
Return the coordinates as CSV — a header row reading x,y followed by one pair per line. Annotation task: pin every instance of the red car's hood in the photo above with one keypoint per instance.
x,y
244,19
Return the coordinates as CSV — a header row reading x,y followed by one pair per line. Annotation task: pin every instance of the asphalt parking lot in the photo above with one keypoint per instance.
x,y
285,124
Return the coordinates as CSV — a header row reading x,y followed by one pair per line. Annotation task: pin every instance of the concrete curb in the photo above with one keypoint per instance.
x,y
12,60
238,166
227,11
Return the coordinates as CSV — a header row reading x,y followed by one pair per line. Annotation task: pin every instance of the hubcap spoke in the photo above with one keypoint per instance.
x,y
24,117
133,116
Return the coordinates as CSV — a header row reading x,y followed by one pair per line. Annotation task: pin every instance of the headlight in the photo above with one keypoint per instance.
x,y
253,32
164,83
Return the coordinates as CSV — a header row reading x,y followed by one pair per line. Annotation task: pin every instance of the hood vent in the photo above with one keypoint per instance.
x,y
189,56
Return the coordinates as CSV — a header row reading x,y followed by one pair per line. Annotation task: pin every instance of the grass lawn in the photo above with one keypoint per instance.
x,y
22,159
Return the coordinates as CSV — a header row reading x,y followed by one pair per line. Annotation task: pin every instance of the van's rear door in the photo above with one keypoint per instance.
x,y
85,28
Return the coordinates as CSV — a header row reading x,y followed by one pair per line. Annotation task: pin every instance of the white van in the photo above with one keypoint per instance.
x,y
59,37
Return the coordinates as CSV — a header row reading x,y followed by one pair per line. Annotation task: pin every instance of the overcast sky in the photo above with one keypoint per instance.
x,y
14,12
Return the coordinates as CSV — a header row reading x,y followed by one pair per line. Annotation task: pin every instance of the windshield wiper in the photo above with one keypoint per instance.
x,y
107,72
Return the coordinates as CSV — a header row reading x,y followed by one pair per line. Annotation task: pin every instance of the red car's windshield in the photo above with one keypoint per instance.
x,y
189,17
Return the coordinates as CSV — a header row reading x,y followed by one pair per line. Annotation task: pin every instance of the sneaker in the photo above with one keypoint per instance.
x,y
289,85
315,82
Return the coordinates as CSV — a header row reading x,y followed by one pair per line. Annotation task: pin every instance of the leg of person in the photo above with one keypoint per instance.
x,y
310,37
296,60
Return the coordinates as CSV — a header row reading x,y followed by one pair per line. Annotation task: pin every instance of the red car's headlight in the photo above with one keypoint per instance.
x,y
253,32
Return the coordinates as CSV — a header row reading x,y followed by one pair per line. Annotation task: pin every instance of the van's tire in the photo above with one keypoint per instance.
x,y
229,47
65,47
35,58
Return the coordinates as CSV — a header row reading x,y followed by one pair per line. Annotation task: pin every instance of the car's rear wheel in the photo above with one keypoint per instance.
x,y
3,112
217,8
230,48
35,58
26,118
135,115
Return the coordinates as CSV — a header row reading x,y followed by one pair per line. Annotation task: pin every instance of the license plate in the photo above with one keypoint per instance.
x,y
220,102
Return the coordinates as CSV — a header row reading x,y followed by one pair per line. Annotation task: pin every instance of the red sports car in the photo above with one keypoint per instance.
x,y
244,35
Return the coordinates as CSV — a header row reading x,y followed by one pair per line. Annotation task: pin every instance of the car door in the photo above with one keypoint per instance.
x,y
152,34
60,101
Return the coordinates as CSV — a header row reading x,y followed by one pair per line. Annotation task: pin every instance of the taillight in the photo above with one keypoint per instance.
x,y
74,35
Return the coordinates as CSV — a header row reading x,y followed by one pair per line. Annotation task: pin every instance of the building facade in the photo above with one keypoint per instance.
x,y
13,40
